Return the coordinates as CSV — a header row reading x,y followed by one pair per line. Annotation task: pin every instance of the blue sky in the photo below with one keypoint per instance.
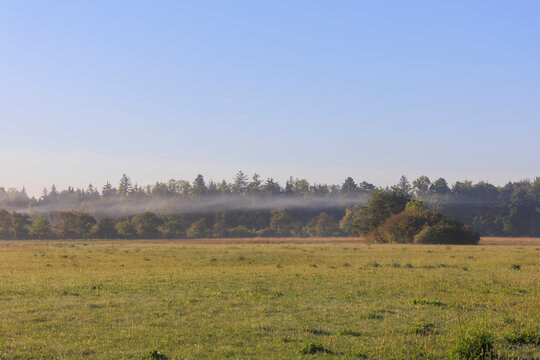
x,y
321,90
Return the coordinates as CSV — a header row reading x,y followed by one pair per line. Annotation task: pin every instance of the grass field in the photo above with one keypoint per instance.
x,y
265,300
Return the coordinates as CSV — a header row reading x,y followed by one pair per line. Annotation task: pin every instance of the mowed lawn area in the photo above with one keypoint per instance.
x,y
256,300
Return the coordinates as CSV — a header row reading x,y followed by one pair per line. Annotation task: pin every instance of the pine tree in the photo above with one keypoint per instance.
x,y
125,187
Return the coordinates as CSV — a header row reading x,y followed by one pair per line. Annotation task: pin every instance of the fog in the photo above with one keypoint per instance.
x,y
119,207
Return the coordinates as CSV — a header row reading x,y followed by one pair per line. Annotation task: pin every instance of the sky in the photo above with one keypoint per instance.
x,y
321,90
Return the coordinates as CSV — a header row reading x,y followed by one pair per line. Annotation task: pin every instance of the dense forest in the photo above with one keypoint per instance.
x,y
253,207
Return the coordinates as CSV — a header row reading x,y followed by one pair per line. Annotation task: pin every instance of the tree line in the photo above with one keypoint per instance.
x,y
253,207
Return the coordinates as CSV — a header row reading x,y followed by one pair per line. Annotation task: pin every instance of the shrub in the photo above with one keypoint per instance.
x,y
155,355
476,344
348,332
376,236
402,227
422,227
529,336
447,232
318,332
425,302
313,348
422,328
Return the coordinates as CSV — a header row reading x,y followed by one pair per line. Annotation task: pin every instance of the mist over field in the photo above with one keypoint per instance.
x,y
211,203
255,207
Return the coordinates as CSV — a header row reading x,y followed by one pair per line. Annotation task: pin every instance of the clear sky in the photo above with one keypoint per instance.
x,y
316,89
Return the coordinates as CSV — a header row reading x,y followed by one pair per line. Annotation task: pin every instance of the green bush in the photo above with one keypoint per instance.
x,y
318,331
476,344
529,336
401,228
313,348
349,332
155,355
447,232
422,227
422,328
425,302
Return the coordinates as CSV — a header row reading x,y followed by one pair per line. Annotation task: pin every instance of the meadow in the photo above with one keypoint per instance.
x,y
267,299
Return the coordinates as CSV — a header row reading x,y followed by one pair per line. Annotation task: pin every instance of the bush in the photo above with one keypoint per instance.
x,y
376,236
530,336
402,227
155,355
422,328
422,227
313,348
447,232
476,344
318,332
349,332
425,302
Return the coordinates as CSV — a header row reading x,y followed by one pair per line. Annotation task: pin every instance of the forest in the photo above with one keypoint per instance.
x,y
248,207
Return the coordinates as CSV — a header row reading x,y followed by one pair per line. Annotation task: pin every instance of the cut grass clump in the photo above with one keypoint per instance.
x,y
155,355
373,316
425,302
530,336
475,344
349,332
422,328
312,349
317,331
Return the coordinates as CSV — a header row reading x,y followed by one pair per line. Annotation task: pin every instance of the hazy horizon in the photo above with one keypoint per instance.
x,y
282,182
313,90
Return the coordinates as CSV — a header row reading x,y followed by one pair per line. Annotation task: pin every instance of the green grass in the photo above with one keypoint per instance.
x,y
136,299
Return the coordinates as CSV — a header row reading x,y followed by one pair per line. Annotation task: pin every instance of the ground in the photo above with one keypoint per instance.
x,y
265,299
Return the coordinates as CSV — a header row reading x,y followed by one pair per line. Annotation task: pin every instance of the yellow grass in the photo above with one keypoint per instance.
x,y
488,240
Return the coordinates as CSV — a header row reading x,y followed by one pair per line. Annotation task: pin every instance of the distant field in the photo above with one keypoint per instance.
x,y
322,240
509,241
265,299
